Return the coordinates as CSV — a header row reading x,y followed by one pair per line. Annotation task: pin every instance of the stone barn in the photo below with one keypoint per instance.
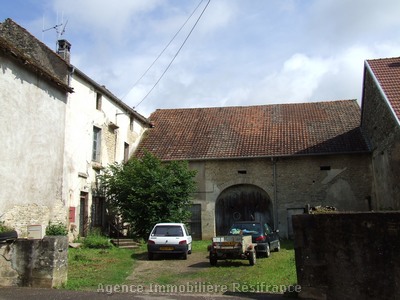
x,y
381,126
266,162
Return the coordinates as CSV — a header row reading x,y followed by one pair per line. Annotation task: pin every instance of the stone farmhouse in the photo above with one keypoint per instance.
x,y
266,162
60,129
269,162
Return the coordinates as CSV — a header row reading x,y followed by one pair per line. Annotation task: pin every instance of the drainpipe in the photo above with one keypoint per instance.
x,y
275,207
115,144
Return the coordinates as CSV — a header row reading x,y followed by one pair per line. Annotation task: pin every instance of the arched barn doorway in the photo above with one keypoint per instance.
x,y
242,202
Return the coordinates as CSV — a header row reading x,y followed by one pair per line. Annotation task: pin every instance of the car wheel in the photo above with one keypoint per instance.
x,y
252,258
260,254
150,255
278,247
268,251
184,256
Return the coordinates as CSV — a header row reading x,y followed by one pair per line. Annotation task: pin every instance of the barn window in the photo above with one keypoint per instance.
x,y
242,172
325,168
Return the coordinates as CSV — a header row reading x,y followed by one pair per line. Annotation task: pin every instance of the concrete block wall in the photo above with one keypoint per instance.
x,y
348,255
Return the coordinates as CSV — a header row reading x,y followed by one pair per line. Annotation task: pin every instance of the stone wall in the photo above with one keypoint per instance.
x,y
348,255
34,263
20,217
383,132
290,183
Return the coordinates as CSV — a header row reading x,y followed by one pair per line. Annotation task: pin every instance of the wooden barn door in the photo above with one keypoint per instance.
x,y
242,203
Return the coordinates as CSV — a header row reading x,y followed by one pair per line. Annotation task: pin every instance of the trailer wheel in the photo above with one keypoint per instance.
x,y
252,258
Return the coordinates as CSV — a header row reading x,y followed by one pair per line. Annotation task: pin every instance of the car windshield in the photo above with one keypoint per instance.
x,y
167,230
246,229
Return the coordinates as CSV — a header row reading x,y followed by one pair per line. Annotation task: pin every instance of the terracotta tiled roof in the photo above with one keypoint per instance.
x,y
255,131
387,72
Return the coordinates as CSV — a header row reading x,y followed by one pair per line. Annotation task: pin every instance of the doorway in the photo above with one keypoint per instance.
x,y
83,214
243,202
195,221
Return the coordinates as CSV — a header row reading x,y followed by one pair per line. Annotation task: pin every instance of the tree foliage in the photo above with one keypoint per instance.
x,y
147,191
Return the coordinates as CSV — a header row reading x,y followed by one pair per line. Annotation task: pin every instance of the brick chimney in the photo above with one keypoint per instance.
x,y
64,50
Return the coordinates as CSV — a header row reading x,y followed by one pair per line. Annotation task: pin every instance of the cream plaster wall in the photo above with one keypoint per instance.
x,y
32,145
80,171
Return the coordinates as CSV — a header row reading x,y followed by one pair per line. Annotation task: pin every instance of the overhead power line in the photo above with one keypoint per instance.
x,y
176,54
165,48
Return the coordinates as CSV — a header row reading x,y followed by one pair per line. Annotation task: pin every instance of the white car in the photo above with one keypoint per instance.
x,y
169,238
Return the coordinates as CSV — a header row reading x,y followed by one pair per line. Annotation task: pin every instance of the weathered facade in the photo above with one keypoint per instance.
x,y
33,93
275,189
60,129
381,125
100,130
266,162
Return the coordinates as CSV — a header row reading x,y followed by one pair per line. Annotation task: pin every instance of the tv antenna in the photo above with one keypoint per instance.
x,y
59,28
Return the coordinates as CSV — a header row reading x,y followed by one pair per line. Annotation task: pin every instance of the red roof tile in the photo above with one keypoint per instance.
x,y
387,72
255,131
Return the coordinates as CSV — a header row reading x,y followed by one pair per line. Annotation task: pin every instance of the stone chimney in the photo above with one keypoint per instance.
x,y
64,50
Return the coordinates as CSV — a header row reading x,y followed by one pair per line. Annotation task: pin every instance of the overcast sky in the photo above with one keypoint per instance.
x,y
242,52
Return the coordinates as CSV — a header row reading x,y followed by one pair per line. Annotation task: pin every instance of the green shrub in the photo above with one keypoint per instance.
x,y
56,229
5,228
96,240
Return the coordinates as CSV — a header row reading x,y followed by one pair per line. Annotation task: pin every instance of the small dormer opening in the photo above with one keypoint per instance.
x,y
325,168
98,100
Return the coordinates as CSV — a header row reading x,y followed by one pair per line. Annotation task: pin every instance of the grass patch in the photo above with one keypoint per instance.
x,y
87,268
90,267
278,269
97,241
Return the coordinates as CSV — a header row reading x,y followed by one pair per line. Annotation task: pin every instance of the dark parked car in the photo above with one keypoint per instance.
x,y
267,240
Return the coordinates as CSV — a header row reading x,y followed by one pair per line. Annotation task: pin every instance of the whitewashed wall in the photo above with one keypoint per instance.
x,y
80,171
32,119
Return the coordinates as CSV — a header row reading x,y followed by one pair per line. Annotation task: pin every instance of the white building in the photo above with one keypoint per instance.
x,y
100,130
60,129
33,98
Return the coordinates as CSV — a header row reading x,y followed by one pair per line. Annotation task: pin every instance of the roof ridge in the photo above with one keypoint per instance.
x,y
255,105
383,58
